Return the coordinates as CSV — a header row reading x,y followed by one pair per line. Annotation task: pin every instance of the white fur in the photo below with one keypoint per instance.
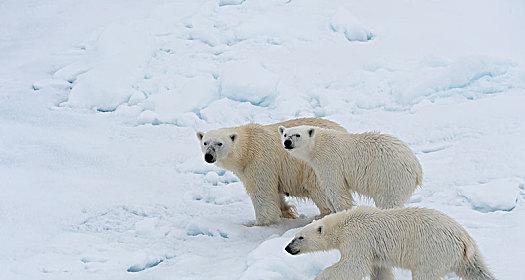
x,y
372,164
425,241
254,153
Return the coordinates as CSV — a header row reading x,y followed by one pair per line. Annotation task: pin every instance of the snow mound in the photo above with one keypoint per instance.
x,y
248,81
269,261
389,86
496,195
114,64
469,76
347,24
228,112
194,94
54,83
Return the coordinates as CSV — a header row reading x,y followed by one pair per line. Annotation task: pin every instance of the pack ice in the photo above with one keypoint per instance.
x,y
102,177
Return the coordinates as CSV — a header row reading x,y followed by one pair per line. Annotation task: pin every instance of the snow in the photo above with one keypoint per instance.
x,y
483,199
248,81
267,263
102,175
346,23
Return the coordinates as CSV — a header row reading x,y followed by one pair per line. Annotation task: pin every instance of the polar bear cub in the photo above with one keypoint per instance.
x,y
425,241
372,164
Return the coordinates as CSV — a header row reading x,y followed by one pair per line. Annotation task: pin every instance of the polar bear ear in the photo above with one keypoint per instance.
x,y
199,135
281,129
233,137
320,229
311,132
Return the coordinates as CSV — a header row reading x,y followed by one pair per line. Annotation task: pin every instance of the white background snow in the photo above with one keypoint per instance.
x,y
101,173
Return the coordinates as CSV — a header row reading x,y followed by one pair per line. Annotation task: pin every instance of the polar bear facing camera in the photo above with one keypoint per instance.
x,y
375,165
425,241
253,152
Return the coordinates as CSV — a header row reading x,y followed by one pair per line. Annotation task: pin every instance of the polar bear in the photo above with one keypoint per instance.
x,y
372,164
425,241
253,152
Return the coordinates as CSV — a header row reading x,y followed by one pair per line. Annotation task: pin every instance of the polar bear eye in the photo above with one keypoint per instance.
x,y
297,135
300,238
285,135
220,144
205,143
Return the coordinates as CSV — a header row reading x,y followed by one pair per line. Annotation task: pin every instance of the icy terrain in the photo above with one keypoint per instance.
x,y
101,172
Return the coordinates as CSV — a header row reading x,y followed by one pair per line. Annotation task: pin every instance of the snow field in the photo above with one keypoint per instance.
x,y
99,103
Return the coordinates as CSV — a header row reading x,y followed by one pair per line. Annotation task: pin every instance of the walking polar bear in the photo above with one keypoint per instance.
x,y
425,241
372,164
253,152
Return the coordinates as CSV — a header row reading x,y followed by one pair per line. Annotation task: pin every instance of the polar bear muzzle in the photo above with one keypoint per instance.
x,y
210,156
288,144
291,248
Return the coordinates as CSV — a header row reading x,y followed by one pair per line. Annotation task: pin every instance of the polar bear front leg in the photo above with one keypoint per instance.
x,y
266,203
343,270
267,209
318,196
336,190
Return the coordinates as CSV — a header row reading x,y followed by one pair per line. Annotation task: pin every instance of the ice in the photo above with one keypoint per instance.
x,y
146,265
212,177
346,23
51,83
119,51
228,112
248,81
476,76
195,230
270,261
136,98
196,93
496,195
148,117
230,2
145,261
103,177
72,71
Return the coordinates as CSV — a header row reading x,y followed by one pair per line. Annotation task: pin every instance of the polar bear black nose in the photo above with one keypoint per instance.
x,y
288,144
290,250
209,158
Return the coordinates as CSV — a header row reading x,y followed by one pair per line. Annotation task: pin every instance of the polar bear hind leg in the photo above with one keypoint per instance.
x,y
287,211
382,273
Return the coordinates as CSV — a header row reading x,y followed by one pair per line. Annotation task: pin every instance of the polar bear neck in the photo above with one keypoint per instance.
x,y
328,143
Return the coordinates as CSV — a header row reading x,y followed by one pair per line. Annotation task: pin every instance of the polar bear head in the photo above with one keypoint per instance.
x,y
298,140
216,145
312,238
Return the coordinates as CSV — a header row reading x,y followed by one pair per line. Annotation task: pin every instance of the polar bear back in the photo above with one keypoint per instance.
x,y
403,237
372,163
